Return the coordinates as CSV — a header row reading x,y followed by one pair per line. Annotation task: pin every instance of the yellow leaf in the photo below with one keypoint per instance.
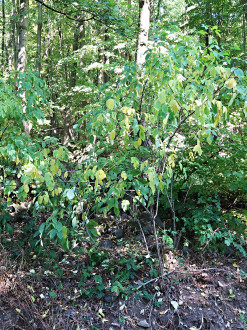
x,y
219,105
112,135
231,83
54,169
26,188
46,199
124,109
163,312
123,175
131,111
100,175
197,148
161,185
65,175
137,143
59,190
165,120
191,156
174,106
217,120
101,314
127,122
235,265
204,294
40,199
110,104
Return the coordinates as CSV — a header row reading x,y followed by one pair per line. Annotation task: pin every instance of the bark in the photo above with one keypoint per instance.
x,y
144,25
17,28
3,35
22,52
12,54
244,7
244,34
23,36
106,60
39,34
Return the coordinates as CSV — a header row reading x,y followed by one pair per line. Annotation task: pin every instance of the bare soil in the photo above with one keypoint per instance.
x,y
197,293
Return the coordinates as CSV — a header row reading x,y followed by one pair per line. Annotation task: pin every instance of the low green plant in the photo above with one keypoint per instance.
x,y
210,226
244,319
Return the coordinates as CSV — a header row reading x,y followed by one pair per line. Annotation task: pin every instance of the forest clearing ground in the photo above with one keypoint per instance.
x,y
197,294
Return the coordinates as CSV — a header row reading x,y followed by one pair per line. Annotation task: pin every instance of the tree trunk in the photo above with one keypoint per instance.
x,y
23,36
22,52
3,35
14,40
39,33
244,5
144,25
106,60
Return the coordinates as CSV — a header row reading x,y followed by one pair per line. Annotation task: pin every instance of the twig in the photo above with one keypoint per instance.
x,y
154,279
180,272
201,323
209,240
144,237
151,309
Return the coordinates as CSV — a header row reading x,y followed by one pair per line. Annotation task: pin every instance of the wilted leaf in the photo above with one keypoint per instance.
x,y
174,304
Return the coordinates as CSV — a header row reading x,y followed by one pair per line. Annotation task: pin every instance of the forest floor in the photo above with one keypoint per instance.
x,y
199,291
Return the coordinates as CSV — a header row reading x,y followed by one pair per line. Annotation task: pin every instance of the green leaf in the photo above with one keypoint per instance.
x,y
64,231
53,294
162,97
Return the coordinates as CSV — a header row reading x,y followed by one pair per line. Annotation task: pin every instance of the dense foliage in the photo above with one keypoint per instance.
x,y
109,136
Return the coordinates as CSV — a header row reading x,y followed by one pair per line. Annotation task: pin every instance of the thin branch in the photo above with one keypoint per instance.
x,y
144,237
65,14
93,17
5,129
187,272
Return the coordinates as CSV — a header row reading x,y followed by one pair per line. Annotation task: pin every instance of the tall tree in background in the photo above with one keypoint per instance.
x,y
244,8
3,36
39,33
22,52
23,36
13,57
144,25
